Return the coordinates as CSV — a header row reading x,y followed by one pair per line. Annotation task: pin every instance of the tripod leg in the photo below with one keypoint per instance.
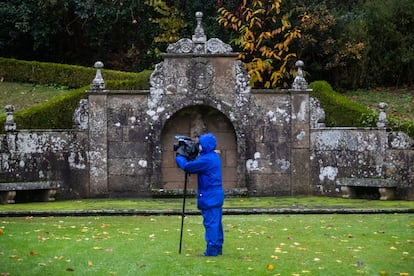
x,y
183,212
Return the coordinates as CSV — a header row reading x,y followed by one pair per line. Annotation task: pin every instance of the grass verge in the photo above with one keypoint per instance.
x,y
254,245
165,204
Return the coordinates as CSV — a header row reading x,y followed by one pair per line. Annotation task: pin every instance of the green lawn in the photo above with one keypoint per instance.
x,y
25,95
400,101
259,244
175,204
333,244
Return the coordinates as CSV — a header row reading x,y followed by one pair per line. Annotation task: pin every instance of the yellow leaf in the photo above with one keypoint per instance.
x,y
270,267
90,263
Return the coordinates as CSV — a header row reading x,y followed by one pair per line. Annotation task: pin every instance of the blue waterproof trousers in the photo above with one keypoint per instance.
x,y
213,230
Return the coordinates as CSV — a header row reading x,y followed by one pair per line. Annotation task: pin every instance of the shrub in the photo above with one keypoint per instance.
x,y
342,112
54,114
73,76
57,113
338,109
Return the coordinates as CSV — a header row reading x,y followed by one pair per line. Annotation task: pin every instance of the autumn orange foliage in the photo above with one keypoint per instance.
x,y
264,37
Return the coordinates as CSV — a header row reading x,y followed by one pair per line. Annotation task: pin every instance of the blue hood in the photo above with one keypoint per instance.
x,y
208,143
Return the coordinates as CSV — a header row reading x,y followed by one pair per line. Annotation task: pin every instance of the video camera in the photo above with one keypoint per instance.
x,y
186,147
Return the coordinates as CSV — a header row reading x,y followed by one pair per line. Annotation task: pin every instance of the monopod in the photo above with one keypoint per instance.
x,y
183,211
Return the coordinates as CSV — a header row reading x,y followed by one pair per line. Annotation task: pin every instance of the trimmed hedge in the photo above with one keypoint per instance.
x,y
13,70
57,113
54,114
340,111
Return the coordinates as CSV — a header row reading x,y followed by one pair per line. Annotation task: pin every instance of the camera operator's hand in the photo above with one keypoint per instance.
x,y
181,159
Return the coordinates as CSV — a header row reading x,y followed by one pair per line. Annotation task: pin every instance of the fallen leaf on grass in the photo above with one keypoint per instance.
x,y
33,253
270,267
90,264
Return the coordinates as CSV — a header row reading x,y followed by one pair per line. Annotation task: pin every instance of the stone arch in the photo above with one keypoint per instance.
x,y
191,121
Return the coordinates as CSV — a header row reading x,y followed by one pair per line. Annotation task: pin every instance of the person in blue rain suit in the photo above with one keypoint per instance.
x,y
210,194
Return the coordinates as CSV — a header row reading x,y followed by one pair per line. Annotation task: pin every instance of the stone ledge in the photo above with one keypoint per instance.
x,y
367,182
32,185
386,186
48,190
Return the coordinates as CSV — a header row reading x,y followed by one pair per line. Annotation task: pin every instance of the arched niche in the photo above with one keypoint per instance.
x,y
192,121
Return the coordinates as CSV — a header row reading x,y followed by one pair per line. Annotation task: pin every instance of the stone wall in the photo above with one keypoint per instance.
x,y
46,155
262,134
359,153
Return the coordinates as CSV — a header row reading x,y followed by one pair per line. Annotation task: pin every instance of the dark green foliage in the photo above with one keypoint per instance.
x,y
342,112
57,113
351,44
139,82
52,73
390,36
338,109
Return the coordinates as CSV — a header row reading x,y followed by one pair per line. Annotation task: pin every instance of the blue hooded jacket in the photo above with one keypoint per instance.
x,y
208,169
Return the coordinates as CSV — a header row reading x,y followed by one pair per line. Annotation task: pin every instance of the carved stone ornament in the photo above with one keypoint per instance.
x,y
299,83
242,78
317,113
201,75
382,119
98,82
182,46
199,44
157,76
81,115
9,125
216,46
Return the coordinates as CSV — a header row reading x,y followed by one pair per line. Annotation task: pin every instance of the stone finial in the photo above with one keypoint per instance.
x,y
199,38
382,120
299,83
98,82
9,125
199,44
